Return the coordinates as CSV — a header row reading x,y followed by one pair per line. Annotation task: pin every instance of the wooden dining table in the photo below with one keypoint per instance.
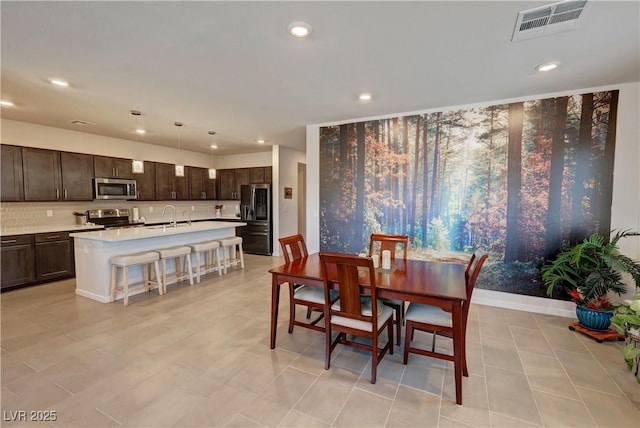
x,y
433,283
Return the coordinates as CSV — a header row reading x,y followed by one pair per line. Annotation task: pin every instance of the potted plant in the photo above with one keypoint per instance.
x,y
626,320
588,272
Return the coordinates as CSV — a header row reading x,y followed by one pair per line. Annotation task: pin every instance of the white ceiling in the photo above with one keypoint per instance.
x,y
231,67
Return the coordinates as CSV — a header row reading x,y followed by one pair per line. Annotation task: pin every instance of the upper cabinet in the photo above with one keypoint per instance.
x,y
200,185
12,187
50,175
168,186
146,182
260,174
231,180
107,167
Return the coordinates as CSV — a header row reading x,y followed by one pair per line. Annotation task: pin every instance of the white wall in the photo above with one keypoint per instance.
x,y
45,137
625,210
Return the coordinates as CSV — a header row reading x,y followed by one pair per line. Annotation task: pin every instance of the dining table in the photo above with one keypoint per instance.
x,y
420,281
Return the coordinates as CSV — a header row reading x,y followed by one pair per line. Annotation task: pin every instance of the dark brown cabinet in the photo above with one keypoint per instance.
x,y
53,256
76,170
146,182
107,167
18,260
50,175
200,185
260,175
231,180
12,185
168,186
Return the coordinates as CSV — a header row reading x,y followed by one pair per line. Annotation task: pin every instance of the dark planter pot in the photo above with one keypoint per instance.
x,y
593,319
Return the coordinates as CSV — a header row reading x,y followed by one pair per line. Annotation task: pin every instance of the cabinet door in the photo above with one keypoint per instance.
x,y
180,187
11,169
267,174
41,169
210,186
124,168
53,259
147,182
77,173
196,182
164,185
226,179
18,261
104,167
242,177
257,175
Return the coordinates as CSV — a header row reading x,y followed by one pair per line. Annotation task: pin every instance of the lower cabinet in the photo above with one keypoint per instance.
x,y
18,260
53,256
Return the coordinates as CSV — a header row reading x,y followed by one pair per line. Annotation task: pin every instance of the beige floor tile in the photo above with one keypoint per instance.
x,y
240,421
502,421
563,339
352,414
388,377
325,398
528,340
610,410
266,412
494,327
586,372
445,422
562,412
425,374
627,383
499,352
219,409
475,406
546,374
297,419
288,387
521,319
608,354
413,408
510,395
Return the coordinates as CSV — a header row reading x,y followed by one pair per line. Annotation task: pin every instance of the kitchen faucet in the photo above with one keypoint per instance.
x,y
189,215
175,223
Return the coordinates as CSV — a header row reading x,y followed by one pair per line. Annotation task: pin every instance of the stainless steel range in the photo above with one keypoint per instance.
x,y
112,218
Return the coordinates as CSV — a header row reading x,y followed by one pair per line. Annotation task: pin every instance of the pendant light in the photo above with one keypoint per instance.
x,y
137,166
212,171
179,167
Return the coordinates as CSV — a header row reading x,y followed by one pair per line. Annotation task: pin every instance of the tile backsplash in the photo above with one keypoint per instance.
x,y
33,214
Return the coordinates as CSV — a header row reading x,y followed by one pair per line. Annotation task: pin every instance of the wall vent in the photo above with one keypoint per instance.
x,y
81,122
546,20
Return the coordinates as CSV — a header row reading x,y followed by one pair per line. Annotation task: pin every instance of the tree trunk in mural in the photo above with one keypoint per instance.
x,y
606,182
360,173
376,157
394,188
425,183
514,181
405,174
554,225
434,209
582,167
413,203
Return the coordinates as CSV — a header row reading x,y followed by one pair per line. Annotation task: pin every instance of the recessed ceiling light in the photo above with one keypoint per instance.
x,y
260,141
141,131
299,29
547,67
364,97
59,82
6,103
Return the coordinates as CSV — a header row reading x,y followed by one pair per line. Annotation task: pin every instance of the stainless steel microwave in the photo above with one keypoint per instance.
x,y
114,188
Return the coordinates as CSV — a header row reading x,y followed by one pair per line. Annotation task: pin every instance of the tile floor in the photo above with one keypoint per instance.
x,y
199,357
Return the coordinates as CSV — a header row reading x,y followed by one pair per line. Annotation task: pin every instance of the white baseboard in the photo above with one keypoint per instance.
x,y
520,302
93,296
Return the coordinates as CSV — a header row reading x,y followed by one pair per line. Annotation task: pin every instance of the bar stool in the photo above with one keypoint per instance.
x,y
177,253
228,246
146,259
210,249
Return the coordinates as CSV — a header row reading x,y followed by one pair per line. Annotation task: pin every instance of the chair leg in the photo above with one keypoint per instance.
x,y
164,274
408,335
327,349
156,268
399,318
198,265
126,285
374,355
292,307
189,268
114,277
145,277
217,255
390,333
241,256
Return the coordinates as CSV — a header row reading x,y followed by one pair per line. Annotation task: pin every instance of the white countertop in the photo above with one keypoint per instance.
x,y
47,229
129,234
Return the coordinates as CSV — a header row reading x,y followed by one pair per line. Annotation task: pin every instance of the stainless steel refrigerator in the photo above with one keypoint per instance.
x,y
255,210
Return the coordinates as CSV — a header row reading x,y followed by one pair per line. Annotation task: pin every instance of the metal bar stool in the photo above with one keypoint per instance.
x,y
182,254
228,246
146,259
210,249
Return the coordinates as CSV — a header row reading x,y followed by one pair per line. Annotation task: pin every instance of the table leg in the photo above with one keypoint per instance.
x,y
456,316
275,301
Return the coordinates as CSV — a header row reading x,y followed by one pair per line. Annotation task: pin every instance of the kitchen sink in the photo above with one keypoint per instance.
x,y
166,226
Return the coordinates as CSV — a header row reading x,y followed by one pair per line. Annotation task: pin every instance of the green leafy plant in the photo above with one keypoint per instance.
x,y
626,320
588,271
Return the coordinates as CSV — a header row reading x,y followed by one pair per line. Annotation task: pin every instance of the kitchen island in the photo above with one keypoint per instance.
x,y
93,250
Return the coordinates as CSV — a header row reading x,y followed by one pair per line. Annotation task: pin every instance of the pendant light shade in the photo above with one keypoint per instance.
x,y
137,166
212,170
179,167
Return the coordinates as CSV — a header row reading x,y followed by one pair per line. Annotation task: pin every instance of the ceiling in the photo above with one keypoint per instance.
x,y
231,67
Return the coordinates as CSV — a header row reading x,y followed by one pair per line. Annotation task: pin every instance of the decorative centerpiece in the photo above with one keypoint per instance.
x,y
588,272
626,320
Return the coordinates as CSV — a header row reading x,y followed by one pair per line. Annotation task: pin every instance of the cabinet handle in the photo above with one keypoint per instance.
x,y
65,193
138,194
10,241
117,173
53,237
204,195
57,193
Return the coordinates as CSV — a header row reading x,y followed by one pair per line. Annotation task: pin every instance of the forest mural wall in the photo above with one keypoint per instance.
x,y
519,179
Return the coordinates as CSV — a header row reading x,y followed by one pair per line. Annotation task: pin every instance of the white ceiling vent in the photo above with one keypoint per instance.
x,y
81,122
546,20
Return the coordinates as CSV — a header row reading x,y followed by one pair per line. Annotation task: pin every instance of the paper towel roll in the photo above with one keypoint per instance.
x,y
136,214
386,259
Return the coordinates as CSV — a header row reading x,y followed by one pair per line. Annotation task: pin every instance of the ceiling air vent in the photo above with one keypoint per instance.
x,y
547,20
81,122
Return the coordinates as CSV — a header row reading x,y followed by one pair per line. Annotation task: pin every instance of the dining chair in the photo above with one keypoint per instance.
x,y
354,314
295,248
378,243
437,321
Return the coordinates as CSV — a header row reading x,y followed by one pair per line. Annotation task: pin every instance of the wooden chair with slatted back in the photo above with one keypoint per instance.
x,y
378,243
435,320
354,314
294,248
